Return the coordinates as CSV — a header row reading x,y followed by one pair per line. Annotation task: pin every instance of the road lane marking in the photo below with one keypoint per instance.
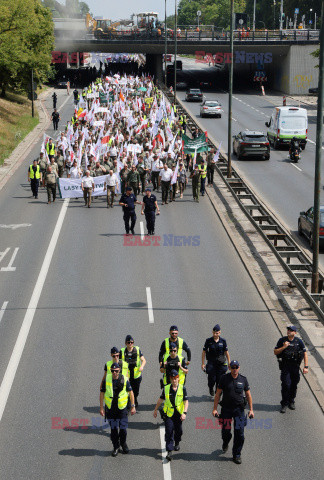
x,y
17,352
149,305
293,165
142,230
3,254
2,310
165,462
9,267
14,226
59,109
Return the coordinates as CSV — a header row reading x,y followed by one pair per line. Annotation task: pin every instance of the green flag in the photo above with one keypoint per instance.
x,y
197,145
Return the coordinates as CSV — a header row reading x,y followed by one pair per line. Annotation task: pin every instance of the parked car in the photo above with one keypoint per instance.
x,y
313,91
211,108
194,94
306,224
61,84
251,144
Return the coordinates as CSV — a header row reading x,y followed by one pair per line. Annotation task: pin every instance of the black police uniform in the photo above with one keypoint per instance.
x,y
149,211
130,358
216,360
233,403
289,361
55,117
172,364
129,211
185,348
173,425
117,418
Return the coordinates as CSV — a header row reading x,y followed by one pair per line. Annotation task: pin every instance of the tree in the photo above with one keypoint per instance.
x,y
26,42
212,13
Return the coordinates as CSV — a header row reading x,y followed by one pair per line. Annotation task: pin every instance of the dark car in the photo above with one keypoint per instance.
x,y
313,91
251,144
61,84
306,225
194,94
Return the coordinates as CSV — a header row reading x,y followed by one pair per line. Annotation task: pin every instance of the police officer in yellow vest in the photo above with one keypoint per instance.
x,y
136,362
114,352
203,175
180,343
50,148
173,361
34,177
114,392
175,409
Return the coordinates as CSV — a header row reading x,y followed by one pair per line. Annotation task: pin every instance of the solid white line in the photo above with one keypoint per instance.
x,y
142,230
17,352
9,268
4,306
149,305
59,109
166,463
293,165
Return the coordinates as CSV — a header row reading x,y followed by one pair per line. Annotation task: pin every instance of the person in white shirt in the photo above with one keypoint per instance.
x,y
165,178
87,185
157,166
75,171
111,183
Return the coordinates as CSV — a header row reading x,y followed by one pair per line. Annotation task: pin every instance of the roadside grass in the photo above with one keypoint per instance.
x,y
15,122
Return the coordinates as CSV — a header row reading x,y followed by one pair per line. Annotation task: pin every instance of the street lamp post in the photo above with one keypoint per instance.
x,y
229,139
274,14
254,2
310,16
175,50
165,45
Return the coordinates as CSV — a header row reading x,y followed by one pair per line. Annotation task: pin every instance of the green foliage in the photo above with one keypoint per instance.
x,y
71,8
212,13
26,42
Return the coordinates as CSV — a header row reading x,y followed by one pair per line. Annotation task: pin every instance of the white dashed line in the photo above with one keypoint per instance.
x,y
142,230
3,308
293,165
149,305
166,464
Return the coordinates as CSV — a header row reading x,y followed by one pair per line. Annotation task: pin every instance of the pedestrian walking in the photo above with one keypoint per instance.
x,y
34,177
42,162
156,168
175,409
203,175
211,166
290,352
180,343
87,185
115,391
55,119
114,352
50,182
149,205
111,183
133,179
218,359
165,179
136,363
54,96
127,201
173,361
74,171
68,86
182,179
60,162
195,178
233,385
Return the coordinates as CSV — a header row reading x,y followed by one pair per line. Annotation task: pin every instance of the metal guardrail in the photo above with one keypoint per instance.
x,y
293,260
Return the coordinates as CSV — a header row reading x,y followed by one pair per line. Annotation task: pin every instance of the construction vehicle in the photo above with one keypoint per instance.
x,y
148,23
101,28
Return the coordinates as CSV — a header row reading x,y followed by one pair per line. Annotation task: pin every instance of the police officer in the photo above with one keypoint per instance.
x,y
50,149
174,362
180,343
136,363
233,385
175,409
127,201
290,351
55,119
149,206
218,358
114,352
114,392
34,177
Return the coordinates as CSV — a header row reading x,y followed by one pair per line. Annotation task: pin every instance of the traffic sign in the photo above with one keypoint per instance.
x,y
198,13
296,10
310,22
241,21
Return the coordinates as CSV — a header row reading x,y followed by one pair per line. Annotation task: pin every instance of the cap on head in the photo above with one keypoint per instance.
x,y
173,327
114,366
216,328
114,350
172,345
292,328
128,338
174,373
234,363
128,189
148,190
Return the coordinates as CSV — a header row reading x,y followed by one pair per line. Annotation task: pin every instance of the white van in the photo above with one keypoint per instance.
x,y
286,123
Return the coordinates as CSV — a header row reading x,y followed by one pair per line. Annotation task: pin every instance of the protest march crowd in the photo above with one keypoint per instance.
x,y
124,136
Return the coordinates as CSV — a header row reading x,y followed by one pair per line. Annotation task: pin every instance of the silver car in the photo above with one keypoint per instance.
x,y
212,108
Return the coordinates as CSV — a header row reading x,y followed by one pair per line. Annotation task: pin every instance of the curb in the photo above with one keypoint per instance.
x,y
20,153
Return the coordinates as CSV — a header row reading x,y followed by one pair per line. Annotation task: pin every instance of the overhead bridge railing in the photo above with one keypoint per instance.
x,y
293,260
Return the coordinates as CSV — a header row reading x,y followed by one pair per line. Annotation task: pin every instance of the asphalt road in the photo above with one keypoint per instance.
x,y
94,294
286,187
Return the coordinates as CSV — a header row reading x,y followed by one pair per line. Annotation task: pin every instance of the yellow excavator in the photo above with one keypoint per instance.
x,y
102,28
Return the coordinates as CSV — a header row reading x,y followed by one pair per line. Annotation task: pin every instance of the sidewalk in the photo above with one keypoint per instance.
x,y
19,154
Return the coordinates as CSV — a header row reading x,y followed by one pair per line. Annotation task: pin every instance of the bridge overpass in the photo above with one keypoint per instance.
x,y
286,55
